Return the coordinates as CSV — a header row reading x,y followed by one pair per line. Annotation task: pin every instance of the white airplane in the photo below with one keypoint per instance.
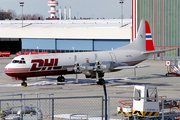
x,y
92,64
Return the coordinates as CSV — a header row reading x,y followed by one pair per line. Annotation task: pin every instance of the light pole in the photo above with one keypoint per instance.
x,y
22,5
121,2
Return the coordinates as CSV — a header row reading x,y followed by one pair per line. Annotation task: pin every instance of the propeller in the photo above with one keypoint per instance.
x,y
76,67
97,66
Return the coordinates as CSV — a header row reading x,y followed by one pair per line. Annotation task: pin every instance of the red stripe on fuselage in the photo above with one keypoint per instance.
x,y
21,73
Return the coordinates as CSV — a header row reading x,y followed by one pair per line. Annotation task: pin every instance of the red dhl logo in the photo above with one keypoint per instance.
x,y
46,64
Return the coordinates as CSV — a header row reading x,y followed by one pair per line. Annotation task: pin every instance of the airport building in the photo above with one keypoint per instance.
x,y
66,35
164,19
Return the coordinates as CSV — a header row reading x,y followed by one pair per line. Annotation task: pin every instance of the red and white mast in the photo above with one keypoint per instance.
x,y
53,5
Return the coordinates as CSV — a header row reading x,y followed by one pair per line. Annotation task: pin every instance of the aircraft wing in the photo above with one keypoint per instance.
x,y
157,51
131,67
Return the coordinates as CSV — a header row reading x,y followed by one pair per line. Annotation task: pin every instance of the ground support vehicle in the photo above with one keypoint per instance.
x,y
173,69
4,54
147,105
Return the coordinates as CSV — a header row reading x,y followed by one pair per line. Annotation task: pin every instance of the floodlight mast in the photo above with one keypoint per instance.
x,y
121,2
22,5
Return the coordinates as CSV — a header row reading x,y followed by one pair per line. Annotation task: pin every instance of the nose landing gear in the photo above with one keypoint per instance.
x,y
24,84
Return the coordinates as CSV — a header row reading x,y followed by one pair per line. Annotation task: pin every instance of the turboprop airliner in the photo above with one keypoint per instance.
x,y
91,64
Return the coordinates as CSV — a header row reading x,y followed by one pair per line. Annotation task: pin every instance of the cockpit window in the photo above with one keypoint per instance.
x,y
15,61
22,61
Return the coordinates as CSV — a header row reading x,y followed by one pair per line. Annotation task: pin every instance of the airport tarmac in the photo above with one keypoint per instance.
x,y
118,83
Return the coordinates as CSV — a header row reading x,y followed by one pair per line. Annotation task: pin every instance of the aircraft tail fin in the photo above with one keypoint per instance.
x,y
143,41
149,41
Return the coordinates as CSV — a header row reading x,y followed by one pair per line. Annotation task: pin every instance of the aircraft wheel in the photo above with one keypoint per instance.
x,y
24,84
101,82
60,79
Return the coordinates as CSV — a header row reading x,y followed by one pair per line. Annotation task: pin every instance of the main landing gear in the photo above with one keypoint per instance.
x,y
101,81
24,84
60,79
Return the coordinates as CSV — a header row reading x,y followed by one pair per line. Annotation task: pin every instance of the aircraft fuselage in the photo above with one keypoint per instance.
x,y
57,64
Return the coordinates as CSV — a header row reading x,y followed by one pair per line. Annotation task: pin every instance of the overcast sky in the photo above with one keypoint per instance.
x,y
80,8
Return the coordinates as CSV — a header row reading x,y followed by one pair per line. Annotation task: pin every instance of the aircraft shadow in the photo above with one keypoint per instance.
x,y
109,81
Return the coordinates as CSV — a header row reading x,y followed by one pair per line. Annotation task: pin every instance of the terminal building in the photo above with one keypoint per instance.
x,y
67,35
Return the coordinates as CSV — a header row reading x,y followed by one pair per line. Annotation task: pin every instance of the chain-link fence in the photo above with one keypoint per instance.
x,y
78,108
52,108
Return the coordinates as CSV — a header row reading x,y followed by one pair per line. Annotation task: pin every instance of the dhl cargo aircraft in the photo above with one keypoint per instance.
x,y
92,64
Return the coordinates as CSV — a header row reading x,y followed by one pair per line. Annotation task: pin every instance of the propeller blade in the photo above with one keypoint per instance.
x,y
75,59
96,59
96,67
97,77
76,65
76,77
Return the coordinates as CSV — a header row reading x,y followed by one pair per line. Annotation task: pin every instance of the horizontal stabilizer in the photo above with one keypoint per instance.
x,y
157,51
131,67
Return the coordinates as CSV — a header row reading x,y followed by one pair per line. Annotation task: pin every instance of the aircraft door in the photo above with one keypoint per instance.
x,y
113,57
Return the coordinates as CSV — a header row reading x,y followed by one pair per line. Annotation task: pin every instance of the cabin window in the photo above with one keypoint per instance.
x,y
137,94
151,95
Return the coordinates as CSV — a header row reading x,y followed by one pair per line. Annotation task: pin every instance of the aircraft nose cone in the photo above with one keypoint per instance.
x,y
6,69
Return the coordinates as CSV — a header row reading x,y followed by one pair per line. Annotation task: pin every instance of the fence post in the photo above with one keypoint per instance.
x,y
0,105
52,108
105,94
108,107
21,115
162,109
102,108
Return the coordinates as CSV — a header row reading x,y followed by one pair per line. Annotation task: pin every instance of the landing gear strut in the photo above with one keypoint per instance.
x,y
24,84
101,81
60,79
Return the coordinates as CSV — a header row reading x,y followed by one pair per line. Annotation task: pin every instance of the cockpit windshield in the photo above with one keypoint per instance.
x,y
15,61
22,61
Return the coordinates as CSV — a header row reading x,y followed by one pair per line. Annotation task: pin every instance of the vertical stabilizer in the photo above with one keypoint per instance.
x,y
149,41
143,41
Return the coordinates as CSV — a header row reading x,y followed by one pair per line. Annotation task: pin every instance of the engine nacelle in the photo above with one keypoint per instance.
x,y
100,74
